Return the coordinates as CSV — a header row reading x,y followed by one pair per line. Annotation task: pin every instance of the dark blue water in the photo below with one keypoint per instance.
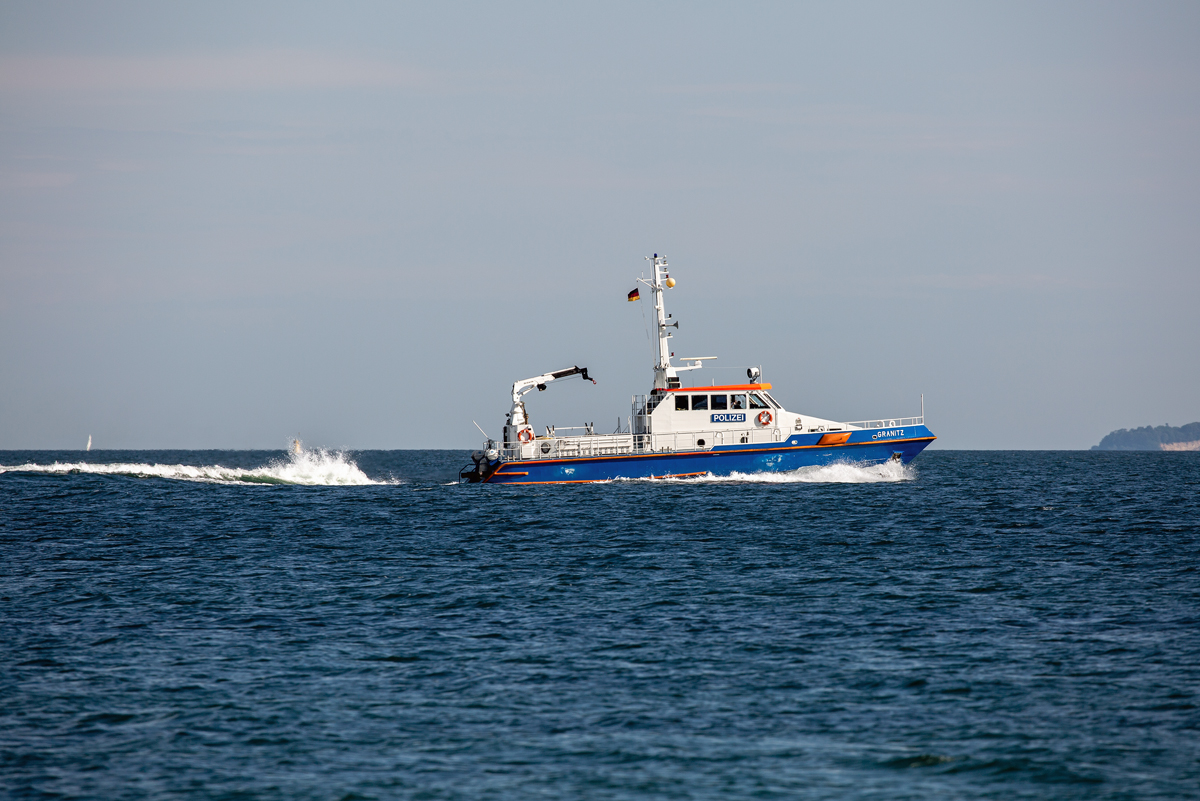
x,y
984,625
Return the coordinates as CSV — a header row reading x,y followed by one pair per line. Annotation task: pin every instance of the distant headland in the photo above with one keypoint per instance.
x,y
1153,438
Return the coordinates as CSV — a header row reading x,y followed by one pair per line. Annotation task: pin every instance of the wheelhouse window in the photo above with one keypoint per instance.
x,y
719,402
737,401
758,402
771,400
681,404
699,402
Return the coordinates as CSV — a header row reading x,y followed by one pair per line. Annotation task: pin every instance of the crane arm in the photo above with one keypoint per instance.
x,y
540,381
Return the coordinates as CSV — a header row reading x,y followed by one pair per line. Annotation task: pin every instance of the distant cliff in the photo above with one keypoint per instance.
x,y
1153,438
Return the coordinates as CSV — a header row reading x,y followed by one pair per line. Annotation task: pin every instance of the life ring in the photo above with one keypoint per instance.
x,y
526,435
764,418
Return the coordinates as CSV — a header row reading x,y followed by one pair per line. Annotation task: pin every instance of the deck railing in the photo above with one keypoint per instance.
x,y
894,422
570,447
616,444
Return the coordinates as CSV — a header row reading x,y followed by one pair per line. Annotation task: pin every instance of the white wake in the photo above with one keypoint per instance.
x,y
835,473
317,467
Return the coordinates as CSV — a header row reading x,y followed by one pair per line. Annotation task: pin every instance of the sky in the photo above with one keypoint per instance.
x,y
224,225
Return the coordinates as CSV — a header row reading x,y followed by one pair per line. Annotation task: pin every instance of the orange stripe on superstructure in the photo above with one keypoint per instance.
x,y
726,387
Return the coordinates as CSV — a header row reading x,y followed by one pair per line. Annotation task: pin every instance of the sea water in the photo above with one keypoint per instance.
x,y
350,626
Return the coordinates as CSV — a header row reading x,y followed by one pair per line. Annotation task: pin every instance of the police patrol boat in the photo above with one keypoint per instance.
x,y
679,431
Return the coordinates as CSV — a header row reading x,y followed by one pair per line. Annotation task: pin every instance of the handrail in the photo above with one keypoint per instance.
x,y
893,422
570,447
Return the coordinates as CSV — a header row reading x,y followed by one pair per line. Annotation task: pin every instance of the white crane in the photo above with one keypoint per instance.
x,y
518,422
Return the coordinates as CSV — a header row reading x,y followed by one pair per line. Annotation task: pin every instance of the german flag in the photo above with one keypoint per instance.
x,y
634,295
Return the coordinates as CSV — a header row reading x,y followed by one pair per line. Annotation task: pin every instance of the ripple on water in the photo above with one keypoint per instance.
x,y
981,625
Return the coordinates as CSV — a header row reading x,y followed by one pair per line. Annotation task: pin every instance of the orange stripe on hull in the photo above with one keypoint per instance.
x,y
598,480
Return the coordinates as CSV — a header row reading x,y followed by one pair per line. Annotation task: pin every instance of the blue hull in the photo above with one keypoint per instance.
x,y
799,450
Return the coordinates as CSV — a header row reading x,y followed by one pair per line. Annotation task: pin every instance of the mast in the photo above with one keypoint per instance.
x,y
664,347
662,279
